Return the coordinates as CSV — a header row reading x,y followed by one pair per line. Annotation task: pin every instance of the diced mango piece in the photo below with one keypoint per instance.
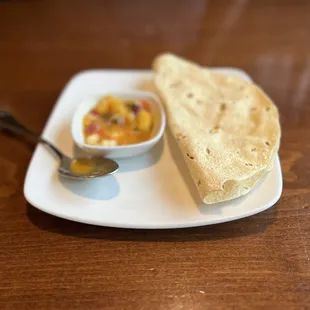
x,y
102,106
130,117
117,106
112,98
144,120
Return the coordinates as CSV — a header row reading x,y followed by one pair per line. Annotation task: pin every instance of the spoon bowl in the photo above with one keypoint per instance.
x,y
86,167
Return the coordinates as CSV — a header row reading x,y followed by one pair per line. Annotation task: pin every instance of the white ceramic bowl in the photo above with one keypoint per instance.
x,y
123,150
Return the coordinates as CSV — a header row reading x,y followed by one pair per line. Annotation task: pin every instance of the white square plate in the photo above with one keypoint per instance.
x,y
153,190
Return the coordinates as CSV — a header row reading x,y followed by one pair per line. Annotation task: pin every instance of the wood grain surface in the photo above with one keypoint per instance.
x,y
261,262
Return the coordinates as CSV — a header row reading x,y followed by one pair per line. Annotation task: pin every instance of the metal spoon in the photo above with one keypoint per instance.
x,y
76,168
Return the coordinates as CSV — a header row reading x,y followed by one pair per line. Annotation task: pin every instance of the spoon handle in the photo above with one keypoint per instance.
x,y
8,121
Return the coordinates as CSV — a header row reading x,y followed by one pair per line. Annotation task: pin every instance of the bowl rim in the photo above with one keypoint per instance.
x,y
124,93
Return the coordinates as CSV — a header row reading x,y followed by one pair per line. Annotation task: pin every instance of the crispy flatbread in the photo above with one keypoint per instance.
x,y
227,129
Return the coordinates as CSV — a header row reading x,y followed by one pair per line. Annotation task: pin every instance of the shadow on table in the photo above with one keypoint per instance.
x,y
255,224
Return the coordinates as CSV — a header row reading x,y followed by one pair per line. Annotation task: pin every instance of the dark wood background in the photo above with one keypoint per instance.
x,y
261,262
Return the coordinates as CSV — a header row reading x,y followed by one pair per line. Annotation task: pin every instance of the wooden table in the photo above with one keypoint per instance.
x,y
261,262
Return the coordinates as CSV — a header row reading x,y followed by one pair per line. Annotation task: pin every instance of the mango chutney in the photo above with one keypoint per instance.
x,y
117,121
